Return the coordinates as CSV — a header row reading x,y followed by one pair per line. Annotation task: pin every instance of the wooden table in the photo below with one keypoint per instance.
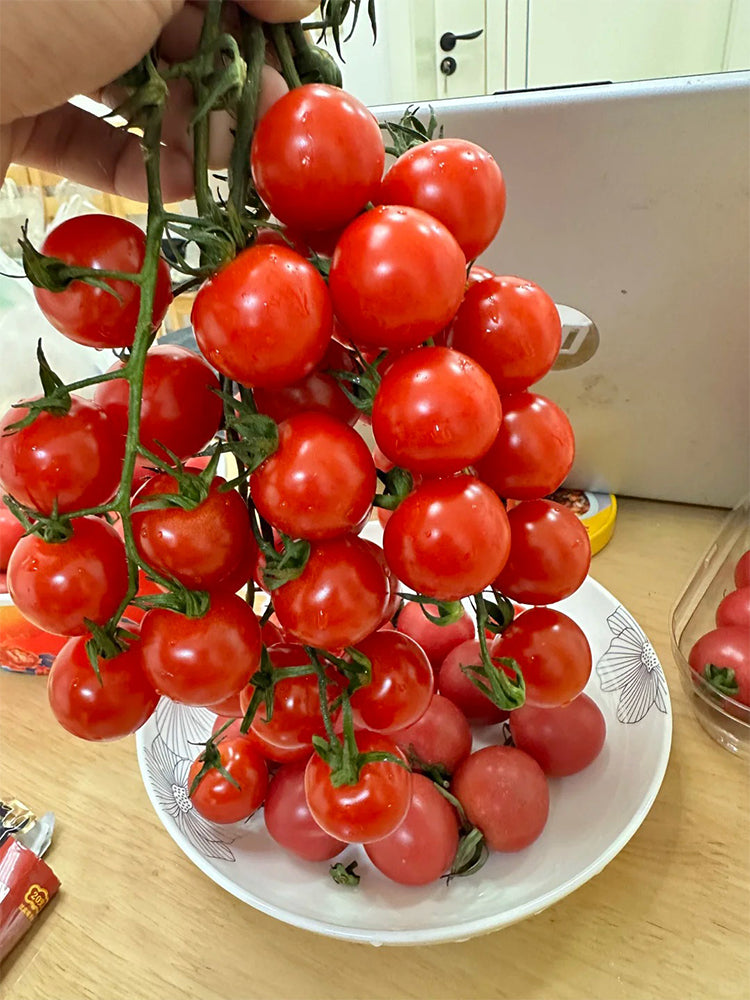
x,y
669,917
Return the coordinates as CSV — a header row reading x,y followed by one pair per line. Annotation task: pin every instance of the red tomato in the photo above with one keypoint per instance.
x,y
436,411
455,181
448,539
235,582
216,798
317,391
441,736
734,608
201,661
552,653
288,818
550,553
423,847
11,531
416,287
742,570
561,740
56,585
368,810
477,274
504,793
320,481
180,405
533,451
395,600
511,327
73,459
317,157
105,709
198,547
401,683
339,598
453,683
89,315
436,640
264,319
725,648
272,754
229,708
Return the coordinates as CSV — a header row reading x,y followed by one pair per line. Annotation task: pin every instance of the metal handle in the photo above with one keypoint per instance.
x,y
448,39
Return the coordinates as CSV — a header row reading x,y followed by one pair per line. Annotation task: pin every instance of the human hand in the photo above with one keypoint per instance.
x,y
51,50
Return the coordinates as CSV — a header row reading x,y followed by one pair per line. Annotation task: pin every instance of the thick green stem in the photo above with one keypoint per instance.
x,y
203,197
253,47
284,52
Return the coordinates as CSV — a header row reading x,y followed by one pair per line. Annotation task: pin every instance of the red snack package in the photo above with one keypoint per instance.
x,y
27,883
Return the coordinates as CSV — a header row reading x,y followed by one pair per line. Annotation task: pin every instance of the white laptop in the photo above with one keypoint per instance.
x,y
630,203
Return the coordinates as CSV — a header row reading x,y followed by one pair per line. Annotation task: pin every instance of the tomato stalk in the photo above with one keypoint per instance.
x,y
280,41
490,677
253,44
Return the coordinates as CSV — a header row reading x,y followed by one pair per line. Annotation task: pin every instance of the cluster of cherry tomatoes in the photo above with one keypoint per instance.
x,y
360,304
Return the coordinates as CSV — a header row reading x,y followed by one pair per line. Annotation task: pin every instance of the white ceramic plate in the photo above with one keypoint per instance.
x,y
592,814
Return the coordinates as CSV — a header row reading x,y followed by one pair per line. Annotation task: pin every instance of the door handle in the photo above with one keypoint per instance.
x,y
448,39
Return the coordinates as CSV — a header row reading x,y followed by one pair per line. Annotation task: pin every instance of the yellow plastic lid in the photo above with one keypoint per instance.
x,y
597,511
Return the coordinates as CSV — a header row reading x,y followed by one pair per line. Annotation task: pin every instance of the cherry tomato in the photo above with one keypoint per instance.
x,y
180,405
72,459
401,683
448,539
338,599
272,754
436,640
423,847
552,653
93,316
317,157
455,181
511,327
550,553
533,451
436,411
265,318
201,661
288,818
371,808
320,481
725,648
454,684
477,274
198,547
95,709
394,601
734,608
742,570
56,585
11,531
218,799
561,740
505,794
441,736
416,287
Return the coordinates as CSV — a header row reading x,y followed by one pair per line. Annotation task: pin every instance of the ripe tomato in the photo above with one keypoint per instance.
x,y
734,608
368,810
724,648
533,451
317,157
401,683
270,753
394,600
505,794
180,405
552,653
455,181
477,274
56,585
72,459
219,800
338,599
423,847
550,553
448,539
511,327
436,640
453,683
105,709
436,411
201,661
198,547
561,740
742,570
90,315
264,319
320,481
416,287
441,736
288,818
11,531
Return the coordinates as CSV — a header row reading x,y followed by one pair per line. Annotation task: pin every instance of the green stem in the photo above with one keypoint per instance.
x,y
284,52
253,47
203,197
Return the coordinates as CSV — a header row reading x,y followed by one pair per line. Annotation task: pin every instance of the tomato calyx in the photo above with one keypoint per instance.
x,y
210,759
398,484
56,398
723,679
52,528
410,131
356,667
360,386
283,565
344,874
437,773
106,642
192,488
54,275
190,603
264,681
448,612
490,675
332,16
